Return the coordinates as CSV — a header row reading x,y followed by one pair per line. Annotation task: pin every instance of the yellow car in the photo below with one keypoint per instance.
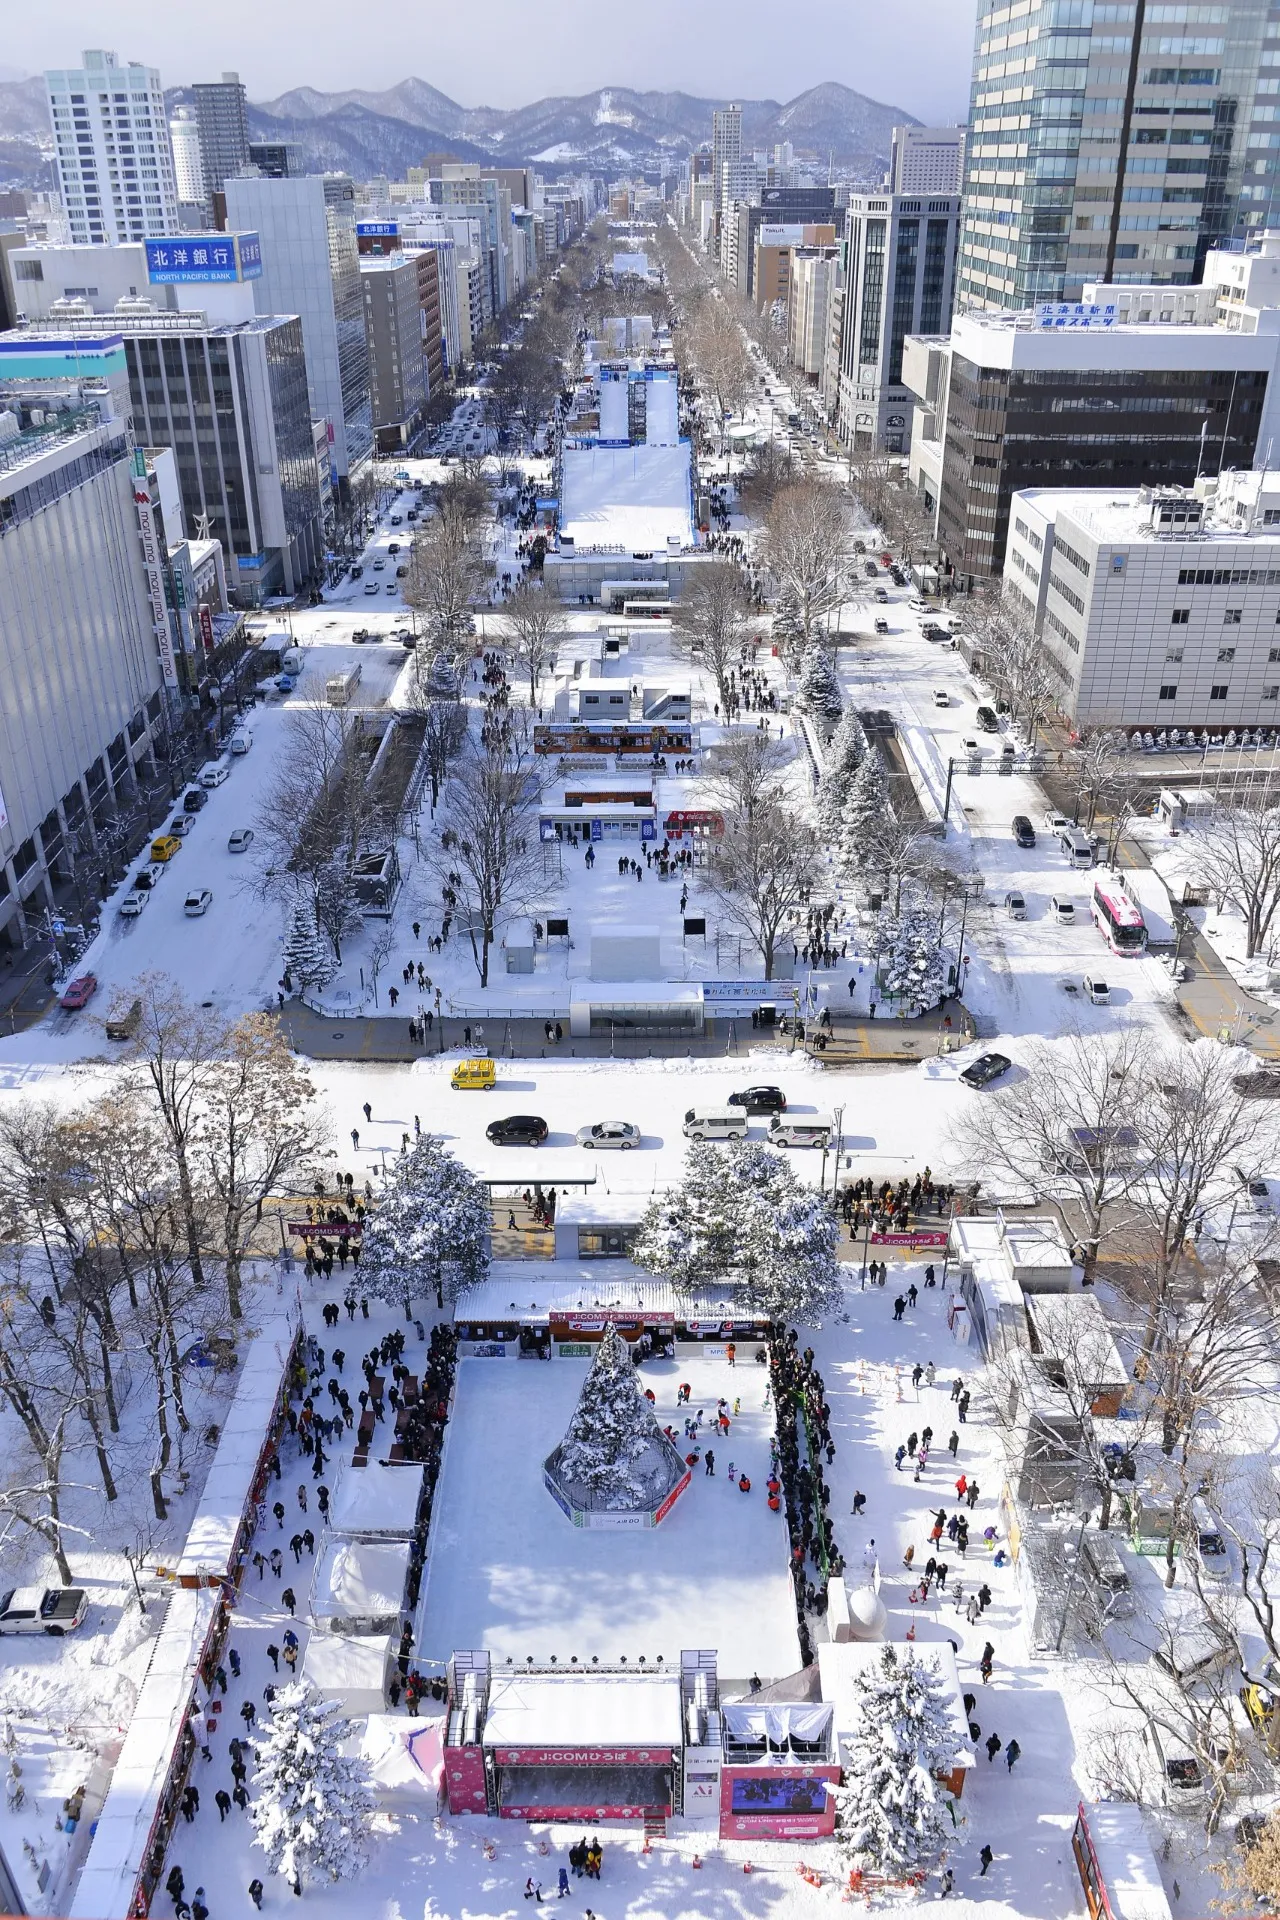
x,y
474,1074
165,847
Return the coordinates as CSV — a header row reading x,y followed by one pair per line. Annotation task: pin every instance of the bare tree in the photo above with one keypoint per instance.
x,y
768,858
448,573
710,617
807,547
534,626
489,853
1238,854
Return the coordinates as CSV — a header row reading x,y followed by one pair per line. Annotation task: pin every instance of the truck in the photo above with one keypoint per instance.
x,y
339,687
55,1610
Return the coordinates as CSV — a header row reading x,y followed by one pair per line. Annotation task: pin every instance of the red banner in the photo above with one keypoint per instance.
x,y
583,1756
465,1779
912,1237
671,1499
574,1814
325,1229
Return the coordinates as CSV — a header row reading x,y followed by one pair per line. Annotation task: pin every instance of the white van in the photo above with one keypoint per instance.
x,y
292,660
1210,1542
715,1123
801,1129
1111,1576
1077,847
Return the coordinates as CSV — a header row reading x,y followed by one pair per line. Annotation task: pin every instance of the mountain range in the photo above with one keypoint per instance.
x,y
612,130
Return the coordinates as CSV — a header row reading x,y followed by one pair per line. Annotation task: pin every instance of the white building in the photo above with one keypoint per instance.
x,y
1158,608
927,160
1236,289
813,274
184,137
111,146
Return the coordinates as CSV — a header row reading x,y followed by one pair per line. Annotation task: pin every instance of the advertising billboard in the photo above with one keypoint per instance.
x,y
780,1803
204,257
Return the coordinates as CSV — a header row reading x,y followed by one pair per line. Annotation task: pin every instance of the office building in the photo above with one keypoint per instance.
x,y
782,207
393,323
112,151
1158,607
278,159
899,270
89,654
1237,288
311,267
726,145
1006,404
184,138
482,196
449,338
1105,143
224,129
813,273
927,160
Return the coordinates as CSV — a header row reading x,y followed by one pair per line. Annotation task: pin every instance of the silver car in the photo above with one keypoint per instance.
x,y
610,1133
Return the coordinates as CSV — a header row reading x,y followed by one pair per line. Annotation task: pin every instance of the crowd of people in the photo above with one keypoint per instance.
x,y
891,1205
802,1442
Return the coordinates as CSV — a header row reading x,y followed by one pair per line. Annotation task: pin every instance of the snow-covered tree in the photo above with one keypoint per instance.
x,y
891,1812
742,1217
862,820
788,626
430,1229
819,688
910,962
336,908
846,751
311,1802
308,957
613,1431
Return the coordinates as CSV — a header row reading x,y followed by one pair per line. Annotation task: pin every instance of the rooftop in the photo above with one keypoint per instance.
x,y
1208,516
627,499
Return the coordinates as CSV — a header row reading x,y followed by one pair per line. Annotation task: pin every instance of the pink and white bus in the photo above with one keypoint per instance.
x,y
1117,917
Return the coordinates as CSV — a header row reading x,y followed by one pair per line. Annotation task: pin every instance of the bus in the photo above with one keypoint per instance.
x,y
646,610
1117,917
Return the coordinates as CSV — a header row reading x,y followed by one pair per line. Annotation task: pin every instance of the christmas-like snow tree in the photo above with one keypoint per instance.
x,y
862,821
430,1228
910,962
308,957
891,1812
311,1803
614,1454
846,751
819,688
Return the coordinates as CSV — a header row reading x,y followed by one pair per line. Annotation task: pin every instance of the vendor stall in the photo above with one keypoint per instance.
x,y
376,1502
351,1669
359,1586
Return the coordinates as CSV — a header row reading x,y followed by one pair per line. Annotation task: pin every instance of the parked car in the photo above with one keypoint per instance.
x,y
987,720
55,1610
124,1021
1097,989
762,1099
1257,1190
79,992
356,571
132,904
180,826
241,741
1063,911
1015,906
197,902
213,776
610,1133
402,573
517,1130
1055,822
917,605
164,846
1023,831
479,1075
149,877
241,840
986,1068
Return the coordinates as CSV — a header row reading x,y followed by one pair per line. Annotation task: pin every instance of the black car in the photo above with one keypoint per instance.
x,y
1023,831
986,1068
760,1100
193,799
517,1130
987,720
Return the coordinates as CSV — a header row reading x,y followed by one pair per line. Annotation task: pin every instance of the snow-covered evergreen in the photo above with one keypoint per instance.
x,y
866,809
430,1228
613,1442
846,750
741,1216
911,965
308,956
311,1803
891,1812
788,626
819,689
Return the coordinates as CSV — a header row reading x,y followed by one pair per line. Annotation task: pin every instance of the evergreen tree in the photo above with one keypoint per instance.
x,y
910,963
311,1803
743,1217
891,1812
865,811
430,1228
788,626
846,750
614,1433
308,957
819,688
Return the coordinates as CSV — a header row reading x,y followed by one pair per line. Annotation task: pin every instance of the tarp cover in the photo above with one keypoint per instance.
x,y
361,1581
349,1668
777,1724
376,1499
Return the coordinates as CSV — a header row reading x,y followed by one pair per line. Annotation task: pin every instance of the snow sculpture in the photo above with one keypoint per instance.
x,y
615,1466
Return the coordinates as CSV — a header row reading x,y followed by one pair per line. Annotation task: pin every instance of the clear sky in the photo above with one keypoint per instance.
x,y
908,53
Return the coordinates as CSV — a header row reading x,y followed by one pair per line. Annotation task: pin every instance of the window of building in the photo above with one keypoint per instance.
x,y
1271,693
1226,654
1169,691
1180,617
1173,655
1231,618
1219,690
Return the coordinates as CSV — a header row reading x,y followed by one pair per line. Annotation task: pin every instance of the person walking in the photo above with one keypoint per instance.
x,y
1012,1754
289,1599
222,1800
986,1857
971,1497
711,1462
987,1662
972,1610
953,1443
899,1307
994,1744
255,1893
199,1906
859,1502
984,1596
273,1655
564,1883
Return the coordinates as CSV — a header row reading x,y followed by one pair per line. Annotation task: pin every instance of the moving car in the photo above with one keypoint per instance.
x,y
801,1130
132,904
517,1130
370,586
941,698
882,593
378,565
715,1123
969,744
241,740
79,992
1056,822
1015,906
882,625
1023,831
55,1610
763,1099
610,1133
987,720
241,840
213,776
1063,911
356,571
479,1075
197,902
1097,989
986,1068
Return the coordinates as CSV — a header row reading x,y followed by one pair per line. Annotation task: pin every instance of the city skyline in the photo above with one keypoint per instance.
x,y
719,59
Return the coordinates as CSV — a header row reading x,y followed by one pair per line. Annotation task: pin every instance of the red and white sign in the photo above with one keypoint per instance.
x,y
912,1237
597,1321
583,1756
671,1499
570,1814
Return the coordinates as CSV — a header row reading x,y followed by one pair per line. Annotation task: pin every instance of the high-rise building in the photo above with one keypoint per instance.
x,y
1106,142
393,323
278,159
726,145
899,278
224,129
111,147
311,267
927,160
184,137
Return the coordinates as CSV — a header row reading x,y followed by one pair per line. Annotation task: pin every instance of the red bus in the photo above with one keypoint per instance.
x,y
1117,917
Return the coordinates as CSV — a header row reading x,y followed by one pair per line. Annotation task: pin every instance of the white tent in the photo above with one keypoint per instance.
x,y
350,1670
359,1586
377,1501
405,1758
